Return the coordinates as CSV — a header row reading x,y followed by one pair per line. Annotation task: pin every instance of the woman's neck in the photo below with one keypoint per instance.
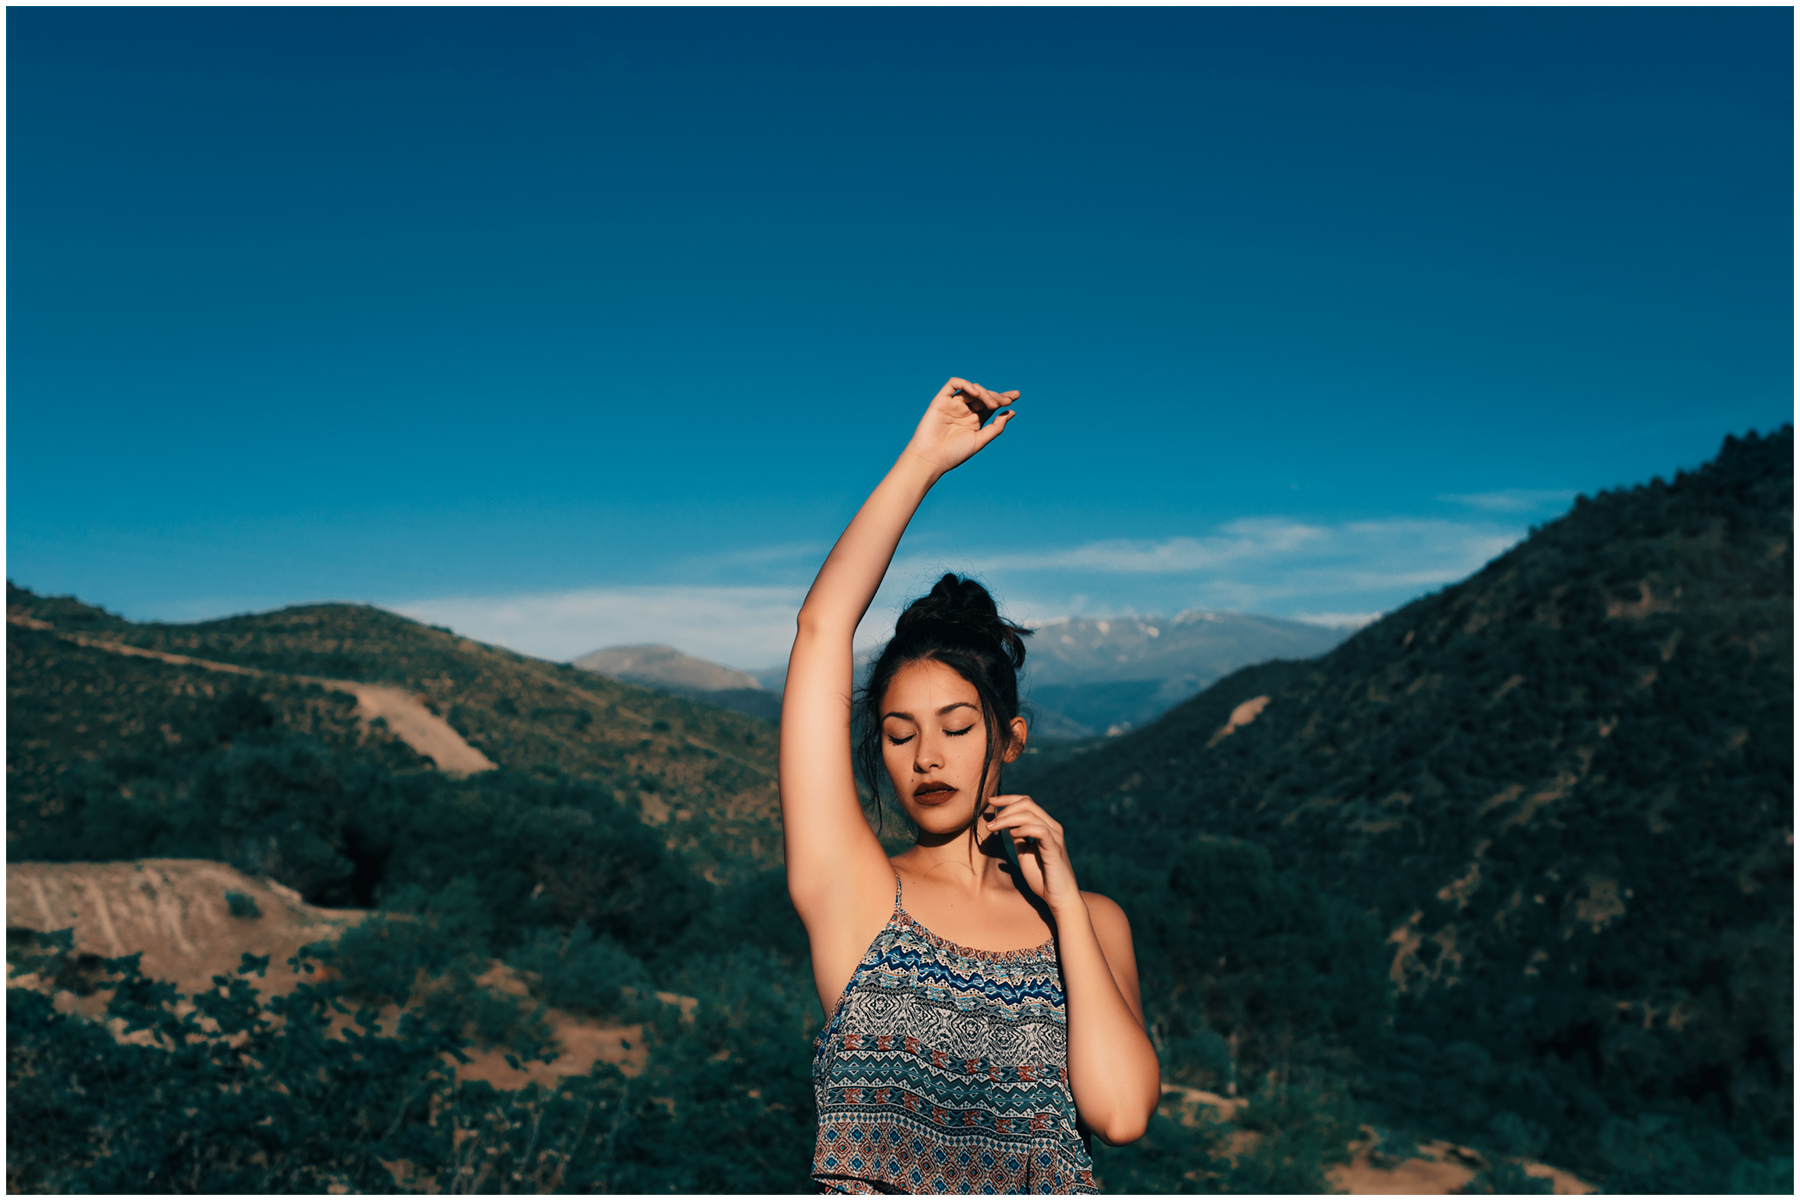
x,y
956,862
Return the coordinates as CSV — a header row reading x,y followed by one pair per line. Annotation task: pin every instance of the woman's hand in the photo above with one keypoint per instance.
x,y
951,431
1021,818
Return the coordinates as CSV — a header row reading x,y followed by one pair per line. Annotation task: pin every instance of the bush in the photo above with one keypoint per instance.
x,y
242,905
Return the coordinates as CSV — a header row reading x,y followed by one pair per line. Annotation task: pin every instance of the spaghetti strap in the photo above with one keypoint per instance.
x,y
897,892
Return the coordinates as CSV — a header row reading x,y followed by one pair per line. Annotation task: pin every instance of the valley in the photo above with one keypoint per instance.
x,y
1500,882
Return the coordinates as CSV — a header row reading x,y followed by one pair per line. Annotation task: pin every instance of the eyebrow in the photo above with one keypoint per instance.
x,y
941,712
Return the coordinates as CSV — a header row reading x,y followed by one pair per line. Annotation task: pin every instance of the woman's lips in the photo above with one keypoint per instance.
x,y
933,795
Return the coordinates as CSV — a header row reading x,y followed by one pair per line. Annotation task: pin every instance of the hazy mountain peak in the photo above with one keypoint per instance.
x,y
666,667
1188,616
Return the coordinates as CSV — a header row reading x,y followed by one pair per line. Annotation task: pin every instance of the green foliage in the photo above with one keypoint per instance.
x,y
234,1092
1773,1176
225,1094
1510,866
1226,943
1507,1176
119,735
242,905
1172,1157
1559,795
579,972
1303,1132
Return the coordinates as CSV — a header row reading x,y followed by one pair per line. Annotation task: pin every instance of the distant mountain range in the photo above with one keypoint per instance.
x,y
668,670
1090,675
1085,676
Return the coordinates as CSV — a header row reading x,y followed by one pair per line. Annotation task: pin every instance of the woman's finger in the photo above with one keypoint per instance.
x,y
1010,798
1032,829
1029,809
1017,804
974,395
993,429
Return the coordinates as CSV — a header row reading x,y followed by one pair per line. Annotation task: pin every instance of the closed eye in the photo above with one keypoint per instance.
x,y
892,741
958,733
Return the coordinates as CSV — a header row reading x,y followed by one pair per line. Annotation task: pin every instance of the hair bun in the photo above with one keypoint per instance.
x,y
961,602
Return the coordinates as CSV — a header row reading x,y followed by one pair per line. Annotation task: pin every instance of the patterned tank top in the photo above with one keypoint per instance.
x,y
946,1070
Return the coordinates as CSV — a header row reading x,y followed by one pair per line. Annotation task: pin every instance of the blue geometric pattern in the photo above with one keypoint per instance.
x,y
945,1069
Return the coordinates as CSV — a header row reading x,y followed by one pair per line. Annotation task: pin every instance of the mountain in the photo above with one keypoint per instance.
x,y
1510,868
1537,827
117,728
668,670
171,788
664,666
1090,675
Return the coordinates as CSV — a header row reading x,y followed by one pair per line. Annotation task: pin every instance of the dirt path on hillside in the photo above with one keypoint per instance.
x,y
415,725
1439,1167
405,715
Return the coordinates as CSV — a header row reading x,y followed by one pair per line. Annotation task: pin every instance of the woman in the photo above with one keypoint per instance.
x,y
981,1018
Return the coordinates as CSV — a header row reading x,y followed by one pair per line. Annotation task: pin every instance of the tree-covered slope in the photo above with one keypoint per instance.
x,y
1563,790
90,725
621,859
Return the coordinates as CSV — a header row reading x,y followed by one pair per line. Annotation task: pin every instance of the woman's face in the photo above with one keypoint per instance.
x,y
933,740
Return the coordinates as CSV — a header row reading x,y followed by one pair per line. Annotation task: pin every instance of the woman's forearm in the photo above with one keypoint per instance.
x,y
852,573
1113,1070
950,431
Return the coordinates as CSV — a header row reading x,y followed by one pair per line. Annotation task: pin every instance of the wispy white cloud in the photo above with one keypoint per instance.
x,y
1512,500
1252,564
747,627
1234,543
1344,574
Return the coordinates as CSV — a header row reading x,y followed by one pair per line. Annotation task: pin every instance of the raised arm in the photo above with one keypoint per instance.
x,y
837,872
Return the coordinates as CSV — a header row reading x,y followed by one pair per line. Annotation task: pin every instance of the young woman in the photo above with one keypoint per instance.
x,y
981,1019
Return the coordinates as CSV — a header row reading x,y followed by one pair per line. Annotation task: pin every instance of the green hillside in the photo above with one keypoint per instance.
x,y
1512,866
1531,838
625,846
90,727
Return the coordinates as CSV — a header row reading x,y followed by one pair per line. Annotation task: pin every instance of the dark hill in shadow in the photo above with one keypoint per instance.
x,y
1562,790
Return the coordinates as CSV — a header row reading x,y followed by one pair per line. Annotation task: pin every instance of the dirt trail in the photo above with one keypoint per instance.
x,y
1439,1168
415,725
404,713
1240,717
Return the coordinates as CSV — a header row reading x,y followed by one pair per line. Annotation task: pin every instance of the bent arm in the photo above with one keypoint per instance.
x,y
827,840
835,865
1113,1070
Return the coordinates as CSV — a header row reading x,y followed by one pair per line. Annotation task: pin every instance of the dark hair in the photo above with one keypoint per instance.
x,y
958,625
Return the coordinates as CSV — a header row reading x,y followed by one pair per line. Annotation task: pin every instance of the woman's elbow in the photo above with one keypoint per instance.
x,y
1126,1123
812,625
1124,1128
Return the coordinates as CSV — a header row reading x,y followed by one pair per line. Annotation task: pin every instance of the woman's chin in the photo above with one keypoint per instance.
x,y
936,821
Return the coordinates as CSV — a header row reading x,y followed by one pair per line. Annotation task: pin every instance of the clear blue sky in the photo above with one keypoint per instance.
x,y
578,326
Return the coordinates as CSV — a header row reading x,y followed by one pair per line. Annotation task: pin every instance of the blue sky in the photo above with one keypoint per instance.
x,y
572,327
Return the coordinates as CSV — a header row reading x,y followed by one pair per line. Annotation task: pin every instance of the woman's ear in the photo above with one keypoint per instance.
x,y
1019,731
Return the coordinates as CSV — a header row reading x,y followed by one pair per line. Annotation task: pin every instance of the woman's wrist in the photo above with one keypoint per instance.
x,y
1067,908
915,467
